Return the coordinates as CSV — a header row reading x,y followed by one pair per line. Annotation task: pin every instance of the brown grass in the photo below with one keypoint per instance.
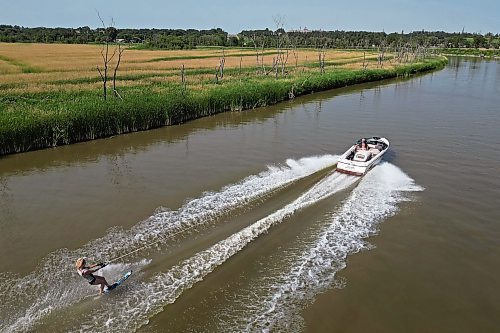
x,y
77,63
8,68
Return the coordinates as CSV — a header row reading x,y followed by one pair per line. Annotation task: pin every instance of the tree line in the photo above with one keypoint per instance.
x,y
154,38
191,38
365,39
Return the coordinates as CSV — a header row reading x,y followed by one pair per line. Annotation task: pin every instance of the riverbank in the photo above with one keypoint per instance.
x,y
482,53
37,120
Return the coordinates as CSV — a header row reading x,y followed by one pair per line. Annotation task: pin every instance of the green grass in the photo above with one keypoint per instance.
x,y
236,55
136,77
40,120
25,68
471,52
123,77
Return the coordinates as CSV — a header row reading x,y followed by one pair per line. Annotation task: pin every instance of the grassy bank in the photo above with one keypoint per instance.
x,y
489,53
41,119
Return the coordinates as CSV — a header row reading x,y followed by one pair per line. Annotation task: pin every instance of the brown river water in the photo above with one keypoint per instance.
x,y
239,222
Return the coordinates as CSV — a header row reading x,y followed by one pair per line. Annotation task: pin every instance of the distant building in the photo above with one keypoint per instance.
x,y
133,40
137,40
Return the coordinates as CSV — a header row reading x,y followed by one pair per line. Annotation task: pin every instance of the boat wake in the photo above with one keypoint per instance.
x,y
38,300
150,297
29,299
274,303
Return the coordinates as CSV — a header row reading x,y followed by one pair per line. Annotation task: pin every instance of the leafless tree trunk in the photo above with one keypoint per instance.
x,y
219,70
381,54
256,54
281,47
259,53
104,71
120,52
222,63
275,66
183,76
295,54
284,60
321,58
106,59
365,64
291,94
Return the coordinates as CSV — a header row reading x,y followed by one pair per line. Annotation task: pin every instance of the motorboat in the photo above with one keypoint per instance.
x,y
362,156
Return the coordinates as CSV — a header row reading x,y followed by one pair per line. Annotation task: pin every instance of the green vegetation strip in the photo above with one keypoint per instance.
x,y
25,68
141,76
235,55
35,121
471,52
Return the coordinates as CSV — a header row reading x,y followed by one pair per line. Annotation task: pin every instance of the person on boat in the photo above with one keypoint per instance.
x,y
87,273
362,145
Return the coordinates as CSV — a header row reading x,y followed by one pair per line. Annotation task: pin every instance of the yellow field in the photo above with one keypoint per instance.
x,y
28,68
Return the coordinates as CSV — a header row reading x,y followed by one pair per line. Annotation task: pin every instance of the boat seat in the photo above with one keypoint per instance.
x,y
374,151
362,156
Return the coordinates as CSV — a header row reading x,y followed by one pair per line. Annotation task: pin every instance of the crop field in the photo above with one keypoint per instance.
x,y
51,94
35,68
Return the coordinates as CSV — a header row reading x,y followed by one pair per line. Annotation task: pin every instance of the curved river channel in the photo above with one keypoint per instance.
x,y
251,230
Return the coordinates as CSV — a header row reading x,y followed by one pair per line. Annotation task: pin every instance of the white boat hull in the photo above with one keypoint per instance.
x,y
348,165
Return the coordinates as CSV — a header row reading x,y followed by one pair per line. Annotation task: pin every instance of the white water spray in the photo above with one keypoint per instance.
x,y
27,300
313,270
150,297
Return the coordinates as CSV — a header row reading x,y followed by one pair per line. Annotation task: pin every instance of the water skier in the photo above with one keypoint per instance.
x,y
87,273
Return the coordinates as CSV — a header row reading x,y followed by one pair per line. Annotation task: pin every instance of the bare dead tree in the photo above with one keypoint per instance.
x,y
291,94
284,60
295,53
219,70
120,52
282,47
222,63
321,58
365,64
256,53
381,53
275,67
259,53
106,60
183,76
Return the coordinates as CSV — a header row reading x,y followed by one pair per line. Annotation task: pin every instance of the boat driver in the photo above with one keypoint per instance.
x,y
362,145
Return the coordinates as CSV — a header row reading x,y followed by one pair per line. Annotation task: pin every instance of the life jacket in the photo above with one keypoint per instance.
x,y
84,273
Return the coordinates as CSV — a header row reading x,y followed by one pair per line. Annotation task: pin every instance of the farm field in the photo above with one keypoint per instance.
x,y
30,68
51,94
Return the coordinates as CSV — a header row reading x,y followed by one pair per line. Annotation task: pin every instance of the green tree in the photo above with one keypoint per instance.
x,y
478,41
111,33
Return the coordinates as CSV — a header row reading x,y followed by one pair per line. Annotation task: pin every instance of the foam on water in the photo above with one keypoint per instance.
x,y
313,270
26,300
56,297
144,299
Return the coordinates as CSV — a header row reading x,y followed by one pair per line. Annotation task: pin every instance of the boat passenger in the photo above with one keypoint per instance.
x,y
362,145
87,273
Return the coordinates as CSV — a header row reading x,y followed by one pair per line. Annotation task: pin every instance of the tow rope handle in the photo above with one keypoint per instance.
x,y
102,265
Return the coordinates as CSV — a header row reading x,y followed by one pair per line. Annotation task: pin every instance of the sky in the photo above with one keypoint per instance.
x,y
480,16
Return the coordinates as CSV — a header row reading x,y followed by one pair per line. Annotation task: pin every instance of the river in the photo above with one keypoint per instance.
x,y
249,227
